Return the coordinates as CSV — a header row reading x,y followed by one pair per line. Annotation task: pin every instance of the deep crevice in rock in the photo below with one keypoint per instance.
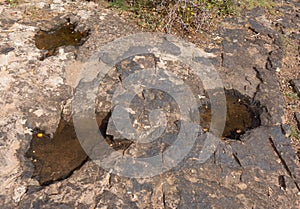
x,y
116,144
286,167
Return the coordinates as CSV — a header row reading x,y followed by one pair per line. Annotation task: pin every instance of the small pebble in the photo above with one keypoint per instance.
x,y
205,129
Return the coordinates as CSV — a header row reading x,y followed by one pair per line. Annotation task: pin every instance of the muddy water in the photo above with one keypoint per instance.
x,y
56,157
242,114
64,35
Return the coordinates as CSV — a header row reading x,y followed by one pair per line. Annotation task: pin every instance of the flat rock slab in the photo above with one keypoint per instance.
x,y
261,170
145,109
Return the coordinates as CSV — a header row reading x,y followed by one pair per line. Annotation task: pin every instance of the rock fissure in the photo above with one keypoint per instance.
x,y
285,165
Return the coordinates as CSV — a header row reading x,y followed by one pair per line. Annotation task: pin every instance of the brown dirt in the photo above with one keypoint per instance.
x,y
290,70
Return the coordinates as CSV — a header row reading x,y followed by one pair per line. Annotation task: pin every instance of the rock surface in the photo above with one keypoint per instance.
x,y
297,117
261,170
296,85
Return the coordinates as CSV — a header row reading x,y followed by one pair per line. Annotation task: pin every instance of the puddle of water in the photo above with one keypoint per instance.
x,y
64,35
242,115
55,158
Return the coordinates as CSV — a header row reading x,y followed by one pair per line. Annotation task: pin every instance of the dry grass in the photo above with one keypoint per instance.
x,y
186,15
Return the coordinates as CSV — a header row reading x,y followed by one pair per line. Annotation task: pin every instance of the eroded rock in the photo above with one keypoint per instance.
x,y
259,171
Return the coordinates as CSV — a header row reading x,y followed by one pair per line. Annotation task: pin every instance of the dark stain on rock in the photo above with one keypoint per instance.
x,y
6,50
169,47
242,114
202,60
64,35
55,158
104,57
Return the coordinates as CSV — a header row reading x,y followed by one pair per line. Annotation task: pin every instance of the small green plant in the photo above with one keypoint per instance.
x,y
295,133
121,4
12,2
292,95
222,7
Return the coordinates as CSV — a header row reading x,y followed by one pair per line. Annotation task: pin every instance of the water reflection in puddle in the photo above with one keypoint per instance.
x,y
242,114
64,35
